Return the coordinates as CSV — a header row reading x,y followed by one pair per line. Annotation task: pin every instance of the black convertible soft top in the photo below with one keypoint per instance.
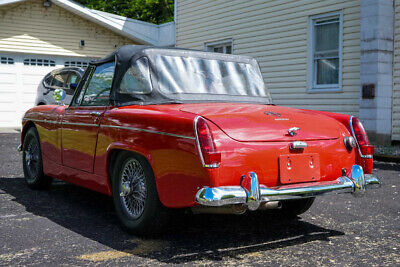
x,y
163,62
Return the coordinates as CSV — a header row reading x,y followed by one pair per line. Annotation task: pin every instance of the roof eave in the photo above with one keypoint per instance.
x,y
107,23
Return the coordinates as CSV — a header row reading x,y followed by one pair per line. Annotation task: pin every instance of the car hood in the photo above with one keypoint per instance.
x,y
252,122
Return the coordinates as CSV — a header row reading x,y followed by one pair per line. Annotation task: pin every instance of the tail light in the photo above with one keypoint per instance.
x,y
209,155
366,149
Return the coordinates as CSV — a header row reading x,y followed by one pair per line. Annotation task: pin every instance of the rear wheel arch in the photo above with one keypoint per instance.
x,y
112,157
25,129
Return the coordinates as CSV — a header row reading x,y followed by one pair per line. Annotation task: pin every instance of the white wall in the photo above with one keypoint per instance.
x,y
276,34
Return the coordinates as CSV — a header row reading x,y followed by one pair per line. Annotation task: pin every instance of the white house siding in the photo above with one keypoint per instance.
x,y
396,75
276,34
28,27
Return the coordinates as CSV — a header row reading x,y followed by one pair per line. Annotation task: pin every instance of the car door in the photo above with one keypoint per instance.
x,y
81,120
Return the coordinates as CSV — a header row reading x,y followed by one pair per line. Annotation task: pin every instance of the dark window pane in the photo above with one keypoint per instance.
x,y
48,79
228,49
327,71
327,37
218,49
59,79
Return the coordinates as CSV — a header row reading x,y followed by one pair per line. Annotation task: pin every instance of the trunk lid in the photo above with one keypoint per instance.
x,y
253,122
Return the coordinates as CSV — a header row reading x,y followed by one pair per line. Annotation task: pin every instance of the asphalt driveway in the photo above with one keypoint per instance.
x,y
72,225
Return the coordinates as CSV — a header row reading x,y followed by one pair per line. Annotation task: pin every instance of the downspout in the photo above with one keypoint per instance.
x,y
175,15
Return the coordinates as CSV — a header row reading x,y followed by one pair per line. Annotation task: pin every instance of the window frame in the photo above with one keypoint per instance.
x,y
84,85
209,46
313,87
87,75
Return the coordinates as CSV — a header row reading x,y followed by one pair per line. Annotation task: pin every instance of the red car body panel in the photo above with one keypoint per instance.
x,y
77,146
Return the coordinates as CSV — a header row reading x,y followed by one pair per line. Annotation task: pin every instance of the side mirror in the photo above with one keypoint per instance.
x,y
73,86
59,95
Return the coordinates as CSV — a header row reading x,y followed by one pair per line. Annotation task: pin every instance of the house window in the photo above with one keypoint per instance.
x,y
80,64
39,62
6,60
325,52
219,47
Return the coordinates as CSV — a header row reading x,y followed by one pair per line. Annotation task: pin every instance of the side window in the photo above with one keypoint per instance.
x,y
48,79
59,79
137,78
97,88
73,78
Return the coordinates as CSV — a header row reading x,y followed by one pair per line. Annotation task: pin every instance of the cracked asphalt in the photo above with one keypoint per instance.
x,y
68,225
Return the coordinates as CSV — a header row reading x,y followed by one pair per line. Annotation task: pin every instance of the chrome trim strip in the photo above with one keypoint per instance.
x,y
115,126
80,124
148,131
199,148
46,121
228,195
197,141
358,146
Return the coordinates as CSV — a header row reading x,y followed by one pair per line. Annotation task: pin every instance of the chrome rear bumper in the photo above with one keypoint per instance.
x,y
252,194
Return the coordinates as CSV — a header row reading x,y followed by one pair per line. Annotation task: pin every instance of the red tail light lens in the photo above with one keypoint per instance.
x,y
211,158
367,150
361,136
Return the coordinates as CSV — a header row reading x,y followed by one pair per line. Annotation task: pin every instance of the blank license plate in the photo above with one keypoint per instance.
x,y
298,168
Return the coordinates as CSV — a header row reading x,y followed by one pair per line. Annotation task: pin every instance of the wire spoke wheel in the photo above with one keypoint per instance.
x,y
132,188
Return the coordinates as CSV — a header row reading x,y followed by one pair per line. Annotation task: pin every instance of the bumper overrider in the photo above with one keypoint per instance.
x,y
252,194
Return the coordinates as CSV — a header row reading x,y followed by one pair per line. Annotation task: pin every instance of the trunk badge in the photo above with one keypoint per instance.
x,y
292,131
271,113
276,115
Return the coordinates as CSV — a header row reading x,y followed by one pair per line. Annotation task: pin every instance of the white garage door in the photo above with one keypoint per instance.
x,y
20,76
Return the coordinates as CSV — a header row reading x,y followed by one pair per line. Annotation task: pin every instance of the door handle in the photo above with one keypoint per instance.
x,y
95,113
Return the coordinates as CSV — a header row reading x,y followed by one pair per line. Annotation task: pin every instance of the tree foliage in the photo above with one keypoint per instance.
x,y
154,11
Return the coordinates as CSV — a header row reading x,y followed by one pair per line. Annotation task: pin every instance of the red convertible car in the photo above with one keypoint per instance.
x,y
162,128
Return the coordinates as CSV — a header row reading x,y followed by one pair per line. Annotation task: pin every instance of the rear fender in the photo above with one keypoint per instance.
x,y
121,146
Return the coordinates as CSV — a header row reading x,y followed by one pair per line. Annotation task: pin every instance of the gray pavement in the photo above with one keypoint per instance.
x,y
72,225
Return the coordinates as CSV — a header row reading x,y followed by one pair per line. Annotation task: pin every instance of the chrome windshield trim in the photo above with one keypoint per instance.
x,y
147,131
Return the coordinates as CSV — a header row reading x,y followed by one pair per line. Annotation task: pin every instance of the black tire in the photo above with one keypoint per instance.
x,y
32,161
153,215
291,208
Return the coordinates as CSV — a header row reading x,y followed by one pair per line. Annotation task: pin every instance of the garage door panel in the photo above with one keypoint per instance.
x,y
8,97
19,81
33,79
7,107
7,78
18,86
7,117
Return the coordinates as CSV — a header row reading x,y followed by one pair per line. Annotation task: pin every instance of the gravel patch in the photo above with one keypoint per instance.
x,y
387,150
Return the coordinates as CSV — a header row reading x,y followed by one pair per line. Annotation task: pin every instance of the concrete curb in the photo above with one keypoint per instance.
x,y
387,158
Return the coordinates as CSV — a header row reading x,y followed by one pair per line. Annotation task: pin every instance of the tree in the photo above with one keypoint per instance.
x,y
154,11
